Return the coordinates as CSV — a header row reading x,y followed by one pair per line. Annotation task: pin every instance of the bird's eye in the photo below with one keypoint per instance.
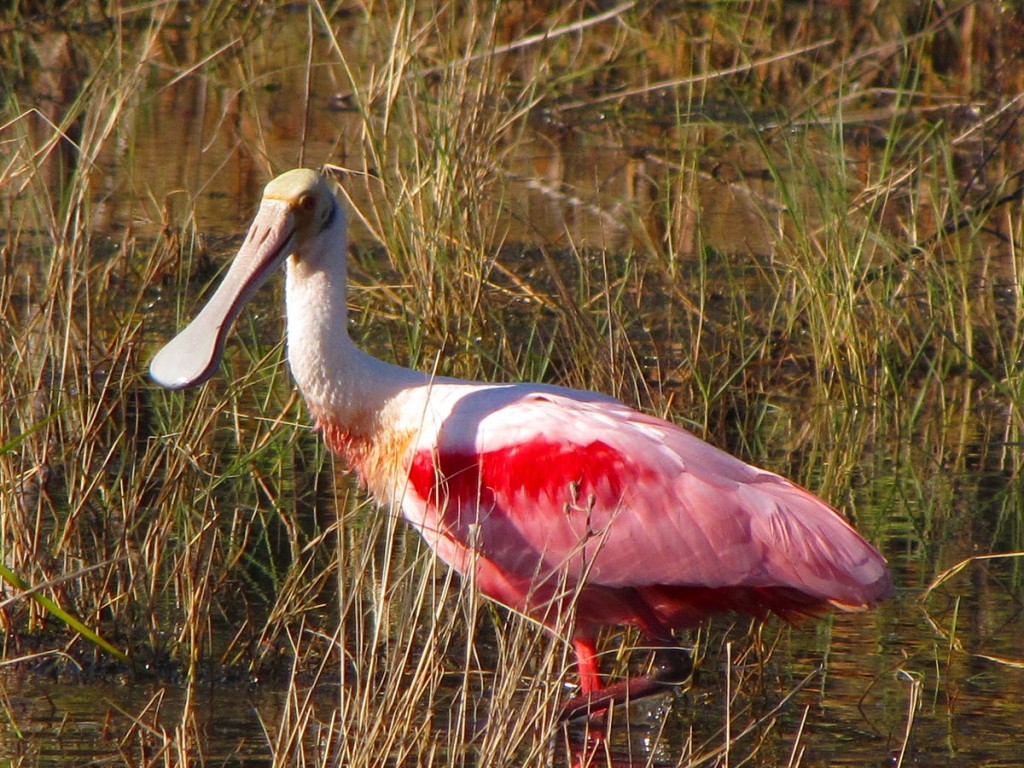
x,y
307,203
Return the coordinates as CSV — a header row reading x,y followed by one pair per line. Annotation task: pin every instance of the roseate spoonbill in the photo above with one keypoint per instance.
x,y
561,502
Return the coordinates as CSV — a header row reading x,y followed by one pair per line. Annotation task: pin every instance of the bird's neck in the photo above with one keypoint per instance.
x,y
344,387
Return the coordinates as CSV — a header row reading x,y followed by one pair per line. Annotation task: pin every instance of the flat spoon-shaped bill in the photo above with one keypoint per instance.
x,y
192,357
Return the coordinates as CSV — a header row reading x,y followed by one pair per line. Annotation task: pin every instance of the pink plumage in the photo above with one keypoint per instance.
x,y
546,492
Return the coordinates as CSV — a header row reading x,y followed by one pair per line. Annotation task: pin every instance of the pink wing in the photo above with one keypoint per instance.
x,y
545,486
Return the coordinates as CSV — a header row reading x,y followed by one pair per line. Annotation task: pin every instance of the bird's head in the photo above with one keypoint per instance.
x,y
299,210
306,201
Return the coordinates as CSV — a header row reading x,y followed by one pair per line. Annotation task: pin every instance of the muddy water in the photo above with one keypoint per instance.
x,y
933,681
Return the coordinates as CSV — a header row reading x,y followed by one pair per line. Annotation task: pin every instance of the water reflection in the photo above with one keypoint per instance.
x,y
57,723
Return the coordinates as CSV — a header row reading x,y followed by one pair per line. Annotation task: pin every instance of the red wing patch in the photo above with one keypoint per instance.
x,y
539,473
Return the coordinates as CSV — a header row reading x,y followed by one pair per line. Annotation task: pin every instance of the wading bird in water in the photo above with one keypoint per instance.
x,y
565,505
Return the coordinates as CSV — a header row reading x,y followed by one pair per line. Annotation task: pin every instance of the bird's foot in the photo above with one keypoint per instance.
x,y
672,668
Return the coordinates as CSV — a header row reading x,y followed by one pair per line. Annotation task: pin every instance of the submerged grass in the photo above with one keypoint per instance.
x,y
866,262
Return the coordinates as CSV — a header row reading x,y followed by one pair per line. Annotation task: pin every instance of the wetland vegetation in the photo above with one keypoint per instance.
x,y
793,227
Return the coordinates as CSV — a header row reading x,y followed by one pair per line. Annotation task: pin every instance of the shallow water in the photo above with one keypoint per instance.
x,y
932,680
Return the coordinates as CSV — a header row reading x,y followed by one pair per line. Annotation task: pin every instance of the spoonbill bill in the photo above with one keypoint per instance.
x,y
562,504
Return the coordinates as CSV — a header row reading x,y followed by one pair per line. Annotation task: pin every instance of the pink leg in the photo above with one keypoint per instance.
x,y
672,668
587,665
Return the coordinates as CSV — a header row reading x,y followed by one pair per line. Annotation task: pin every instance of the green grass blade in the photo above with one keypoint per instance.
x,y
55,610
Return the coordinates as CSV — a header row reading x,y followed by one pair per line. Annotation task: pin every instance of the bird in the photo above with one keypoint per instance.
x,y
564,505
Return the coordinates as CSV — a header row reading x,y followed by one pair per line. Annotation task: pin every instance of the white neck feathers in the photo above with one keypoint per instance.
x,y
341,384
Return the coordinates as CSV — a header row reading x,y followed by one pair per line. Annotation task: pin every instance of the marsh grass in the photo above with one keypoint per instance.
x,y
878,272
